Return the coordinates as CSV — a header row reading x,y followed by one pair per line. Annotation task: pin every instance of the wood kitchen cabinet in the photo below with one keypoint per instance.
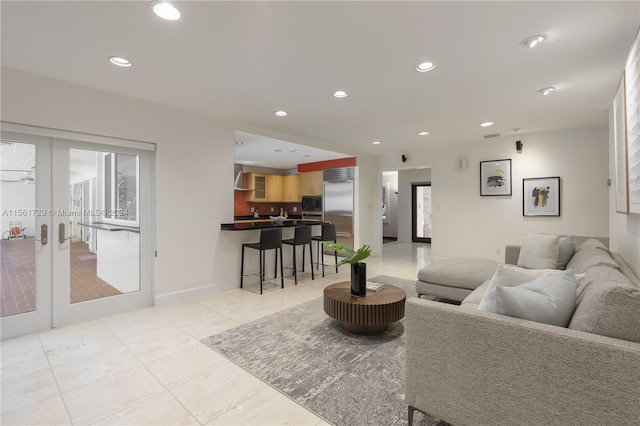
x,y
275,188
257,182
311,183
292,189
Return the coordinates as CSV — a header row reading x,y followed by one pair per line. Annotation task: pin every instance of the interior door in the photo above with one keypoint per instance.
x,y
421,213
86,246
102,248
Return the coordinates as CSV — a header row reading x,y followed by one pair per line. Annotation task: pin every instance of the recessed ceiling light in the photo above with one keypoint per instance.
x,y
425,66
340,94
546,90
165,10
487,124
121,62
278,150
375,143
533,41
307,155
423,133
281,113
239,143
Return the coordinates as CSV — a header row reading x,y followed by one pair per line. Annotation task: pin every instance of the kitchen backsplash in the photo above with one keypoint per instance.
x,y
242,208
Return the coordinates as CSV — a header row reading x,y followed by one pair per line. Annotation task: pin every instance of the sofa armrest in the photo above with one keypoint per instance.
x,y
511,255
474,367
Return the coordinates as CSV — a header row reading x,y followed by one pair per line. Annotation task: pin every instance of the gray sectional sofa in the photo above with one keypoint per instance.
x,y
471,367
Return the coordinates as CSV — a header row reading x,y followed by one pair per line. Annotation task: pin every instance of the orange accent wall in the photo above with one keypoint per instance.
x,y
242,208
329,164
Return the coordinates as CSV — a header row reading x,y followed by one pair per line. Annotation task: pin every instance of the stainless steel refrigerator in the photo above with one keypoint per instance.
x,y
338,202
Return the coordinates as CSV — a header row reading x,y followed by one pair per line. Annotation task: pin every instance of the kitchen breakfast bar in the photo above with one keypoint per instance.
x,y
252,230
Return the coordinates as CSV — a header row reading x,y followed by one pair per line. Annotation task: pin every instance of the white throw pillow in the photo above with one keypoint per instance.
x,y
550,299
539,251
509,275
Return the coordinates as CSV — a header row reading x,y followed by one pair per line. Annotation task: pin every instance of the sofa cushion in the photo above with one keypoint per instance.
x,y
589,254
509,275
608,308
467,273
549,299
473,300
539,251
566,249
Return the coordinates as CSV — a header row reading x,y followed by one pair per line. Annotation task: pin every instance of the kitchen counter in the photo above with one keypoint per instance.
x,y
248,225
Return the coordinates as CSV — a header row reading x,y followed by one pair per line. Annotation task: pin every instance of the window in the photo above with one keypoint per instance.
x,y
121,186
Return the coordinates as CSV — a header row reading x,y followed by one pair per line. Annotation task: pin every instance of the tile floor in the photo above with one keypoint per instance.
x,y
148,367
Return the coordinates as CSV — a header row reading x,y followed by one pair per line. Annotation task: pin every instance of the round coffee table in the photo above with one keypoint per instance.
x,y
371,314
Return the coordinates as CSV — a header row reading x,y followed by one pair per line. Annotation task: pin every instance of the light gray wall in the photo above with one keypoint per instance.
x,y
466,224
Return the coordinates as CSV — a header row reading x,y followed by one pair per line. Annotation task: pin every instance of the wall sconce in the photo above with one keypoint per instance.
x,y
519,147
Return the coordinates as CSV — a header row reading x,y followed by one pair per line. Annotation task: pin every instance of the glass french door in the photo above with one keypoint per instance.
x,y
78,242
421,216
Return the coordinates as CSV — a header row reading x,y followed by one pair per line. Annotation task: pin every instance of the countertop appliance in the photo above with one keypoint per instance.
x,y
312,207
338,202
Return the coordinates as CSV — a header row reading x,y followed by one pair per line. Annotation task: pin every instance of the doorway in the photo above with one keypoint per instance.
x,y
85,211
421,213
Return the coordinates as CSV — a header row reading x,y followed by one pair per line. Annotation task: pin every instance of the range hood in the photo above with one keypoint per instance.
x,y
238,183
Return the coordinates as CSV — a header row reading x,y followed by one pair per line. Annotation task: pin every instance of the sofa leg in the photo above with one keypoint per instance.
x,y
410,410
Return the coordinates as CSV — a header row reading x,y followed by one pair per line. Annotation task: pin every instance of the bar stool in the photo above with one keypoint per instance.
x,y
328,233
301,237
270,239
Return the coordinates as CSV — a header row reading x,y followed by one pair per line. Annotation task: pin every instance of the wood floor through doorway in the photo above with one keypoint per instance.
x,y
17,278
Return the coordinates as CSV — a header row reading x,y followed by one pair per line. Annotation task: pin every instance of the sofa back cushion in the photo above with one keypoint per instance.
x,y
539,251
607,304
591,253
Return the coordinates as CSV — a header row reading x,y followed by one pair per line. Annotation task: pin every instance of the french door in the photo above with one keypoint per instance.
x,y
421,213
77,241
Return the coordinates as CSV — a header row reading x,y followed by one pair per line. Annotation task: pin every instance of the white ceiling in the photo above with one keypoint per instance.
x,y
241,61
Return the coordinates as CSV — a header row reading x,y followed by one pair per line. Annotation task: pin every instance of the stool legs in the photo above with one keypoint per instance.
x,y
281,268
242,267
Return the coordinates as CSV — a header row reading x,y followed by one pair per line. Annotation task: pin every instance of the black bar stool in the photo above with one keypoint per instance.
x,y
269,239
329,233
301,237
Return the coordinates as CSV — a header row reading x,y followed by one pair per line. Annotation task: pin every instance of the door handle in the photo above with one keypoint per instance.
x,y
61,238
44,239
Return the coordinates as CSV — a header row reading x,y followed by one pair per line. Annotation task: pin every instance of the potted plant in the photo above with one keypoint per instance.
x,y
358,268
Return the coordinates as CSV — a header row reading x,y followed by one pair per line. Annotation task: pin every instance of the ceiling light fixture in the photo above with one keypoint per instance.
x,y
340,94
423,133
533,41
425,66
546,90
281,113
486,124
121,62
375,143
165,10
239,143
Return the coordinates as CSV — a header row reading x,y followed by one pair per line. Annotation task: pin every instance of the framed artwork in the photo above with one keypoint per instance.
x,y
632,110
495,177
541,196
620,143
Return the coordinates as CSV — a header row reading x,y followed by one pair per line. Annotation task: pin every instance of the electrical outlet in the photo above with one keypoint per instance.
x,y
272,210
253,209
295,209
497,252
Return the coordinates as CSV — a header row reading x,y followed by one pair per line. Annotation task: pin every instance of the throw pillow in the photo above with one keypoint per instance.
x,y
539,251
510,275
566,249
550,299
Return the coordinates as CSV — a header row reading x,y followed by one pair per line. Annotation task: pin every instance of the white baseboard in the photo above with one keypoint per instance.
x,y
179,296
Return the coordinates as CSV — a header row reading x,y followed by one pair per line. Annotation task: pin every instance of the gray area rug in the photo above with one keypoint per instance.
x,y
344,378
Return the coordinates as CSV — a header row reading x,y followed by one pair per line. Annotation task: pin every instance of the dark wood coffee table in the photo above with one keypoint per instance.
x,y
371,314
